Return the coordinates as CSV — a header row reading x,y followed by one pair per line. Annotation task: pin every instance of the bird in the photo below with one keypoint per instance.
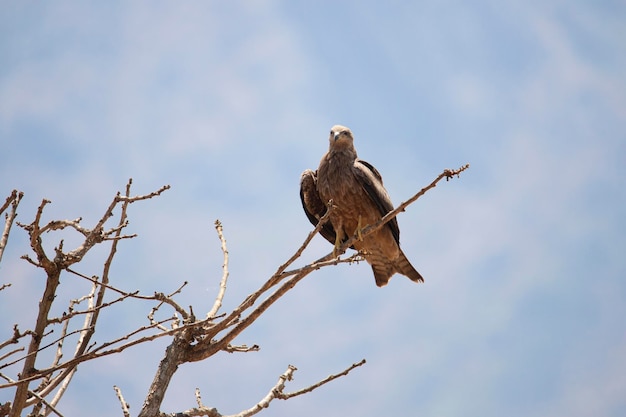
x,y
359,199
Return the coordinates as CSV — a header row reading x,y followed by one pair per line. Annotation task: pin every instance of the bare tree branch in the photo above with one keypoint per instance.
x,y
286,396
276,392
271,395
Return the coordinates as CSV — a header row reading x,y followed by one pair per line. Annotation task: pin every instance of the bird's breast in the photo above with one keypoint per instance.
x,y
336,180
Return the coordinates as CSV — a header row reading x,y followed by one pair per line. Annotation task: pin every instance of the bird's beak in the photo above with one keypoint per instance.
x,y
336,135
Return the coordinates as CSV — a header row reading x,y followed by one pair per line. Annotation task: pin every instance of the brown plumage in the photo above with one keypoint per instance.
x,y
356,189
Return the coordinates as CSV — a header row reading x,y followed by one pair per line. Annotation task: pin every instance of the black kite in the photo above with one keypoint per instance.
x,y
359,199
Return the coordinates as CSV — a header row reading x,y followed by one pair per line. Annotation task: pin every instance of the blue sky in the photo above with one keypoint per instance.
x,y
522,312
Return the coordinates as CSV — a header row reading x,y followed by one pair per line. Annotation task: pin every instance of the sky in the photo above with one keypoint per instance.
x,y
524,305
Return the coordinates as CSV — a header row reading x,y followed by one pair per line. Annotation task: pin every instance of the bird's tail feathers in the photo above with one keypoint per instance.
x,y
384,269
382,273
404,267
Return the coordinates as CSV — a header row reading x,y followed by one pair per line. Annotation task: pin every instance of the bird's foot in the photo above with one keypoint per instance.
x,y
337,245
359,227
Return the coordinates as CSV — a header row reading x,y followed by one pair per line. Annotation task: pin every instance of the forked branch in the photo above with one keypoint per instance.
x,y
276,392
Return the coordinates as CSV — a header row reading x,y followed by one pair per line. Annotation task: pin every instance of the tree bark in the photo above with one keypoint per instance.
x,y
174,356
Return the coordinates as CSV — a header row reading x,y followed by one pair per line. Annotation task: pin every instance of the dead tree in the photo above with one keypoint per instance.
x,y
192,338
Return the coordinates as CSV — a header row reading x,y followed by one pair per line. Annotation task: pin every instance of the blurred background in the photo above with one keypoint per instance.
x,y
524,305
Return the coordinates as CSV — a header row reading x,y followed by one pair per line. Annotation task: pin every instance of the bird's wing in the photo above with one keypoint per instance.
x,y
372,169
313,206
372,182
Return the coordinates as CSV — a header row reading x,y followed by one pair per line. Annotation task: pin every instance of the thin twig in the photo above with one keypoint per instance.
x,y
123,402
13,200
12,352
15,338
286,396
167,299
320,263
199,398
71,314
220,295
129,199
278,390
9,200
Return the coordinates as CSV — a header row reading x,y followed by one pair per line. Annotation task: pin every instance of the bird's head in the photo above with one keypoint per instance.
x,y
340,137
